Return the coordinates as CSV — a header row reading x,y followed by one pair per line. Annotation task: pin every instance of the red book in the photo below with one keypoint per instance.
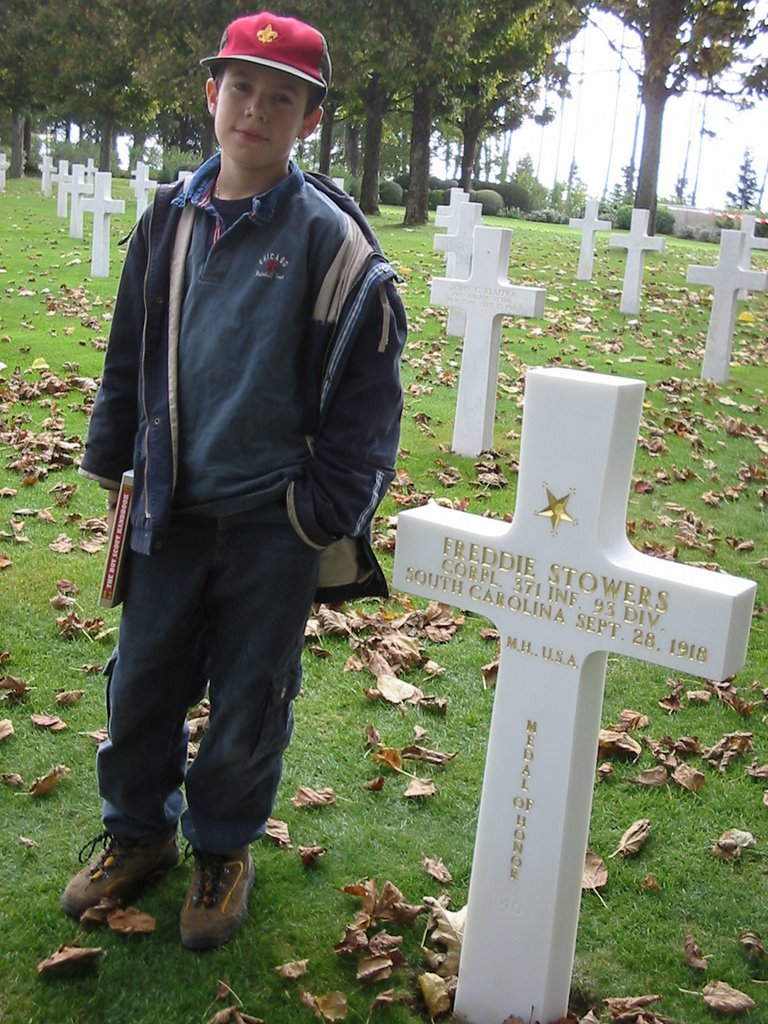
x,y
111,589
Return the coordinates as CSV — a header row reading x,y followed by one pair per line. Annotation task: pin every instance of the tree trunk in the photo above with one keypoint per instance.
x,y
352,148
16,168
369,187
655,96
138,142
326,139
107,140
376,103
417,207
30,157
471,138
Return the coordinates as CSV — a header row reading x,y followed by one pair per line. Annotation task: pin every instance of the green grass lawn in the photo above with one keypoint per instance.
x,y
699,494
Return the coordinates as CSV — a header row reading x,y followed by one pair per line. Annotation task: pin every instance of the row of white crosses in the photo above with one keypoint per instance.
x,y
79,195
478,295
730,278
474,418
84,190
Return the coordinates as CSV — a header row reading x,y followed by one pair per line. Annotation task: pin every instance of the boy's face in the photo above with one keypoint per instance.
x,y
258,114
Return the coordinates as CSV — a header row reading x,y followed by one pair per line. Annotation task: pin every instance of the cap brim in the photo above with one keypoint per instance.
x,y
211,62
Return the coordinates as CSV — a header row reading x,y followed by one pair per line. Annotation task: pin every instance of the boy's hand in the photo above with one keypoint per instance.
x,y
111,506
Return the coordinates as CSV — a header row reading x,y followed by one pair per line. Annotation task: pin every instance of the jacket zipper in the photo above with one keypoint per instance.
x,y
143,374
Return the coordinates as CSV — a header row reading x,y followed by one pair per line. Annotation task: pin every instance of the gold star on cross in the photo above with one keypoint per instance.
x,y
556,510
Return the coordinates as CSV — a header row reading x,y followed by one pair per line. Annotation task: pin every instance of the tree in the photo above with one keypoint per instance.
x,y
745,195
28,42
681,39
511,53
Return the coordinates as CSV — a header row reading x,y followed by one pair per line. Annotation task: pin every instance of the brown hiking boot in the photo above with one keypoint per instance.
x,y
123,867
217,898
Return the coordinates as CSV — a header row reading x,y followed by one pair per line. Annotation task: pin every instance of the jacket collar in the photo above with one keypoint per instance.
x,y
198,190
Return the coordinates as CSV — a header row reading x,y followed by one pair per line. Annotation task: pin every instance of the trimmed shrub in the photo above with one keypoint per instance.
x,y
437,197
490,200
390,193
547,217
665,221
623,218
514,195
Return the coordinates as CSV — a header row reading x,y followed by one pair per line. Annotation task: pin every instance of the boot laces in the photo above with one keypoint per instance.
x,y
210,877
112,849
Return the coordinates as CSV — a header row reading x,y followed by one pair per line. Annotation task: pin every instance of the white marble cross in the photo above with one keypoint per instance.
x,y
485,297
446,216
3,170
753,242
79,189
637,243
141,184
102,206
565,588
590,225
457,245
46,174
63,180
727,277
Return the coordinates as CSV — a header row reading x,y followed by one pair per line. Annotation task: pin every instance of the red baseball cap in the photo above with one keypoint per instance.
x,y
286,44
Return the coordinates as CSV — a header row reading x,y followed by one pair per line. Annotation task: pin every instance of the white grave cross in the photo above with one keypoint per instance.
x,y
446,216
727,277
102,206
565,588
63,180
485,297
590,225
753,242
45,176
637,243
3,169
141,183
79,189
457,245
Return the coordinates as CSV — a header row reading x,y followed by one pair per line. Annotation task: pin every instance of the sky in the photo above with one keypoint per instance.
x,y
596,126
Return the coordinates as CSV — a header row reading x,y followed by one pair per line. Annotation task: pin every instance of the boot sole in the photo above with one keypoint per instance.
x,y
134,889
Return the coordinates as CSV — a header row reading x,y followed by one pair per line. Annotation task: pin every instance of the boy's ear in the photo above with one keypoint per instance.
x,y
211,95
311,121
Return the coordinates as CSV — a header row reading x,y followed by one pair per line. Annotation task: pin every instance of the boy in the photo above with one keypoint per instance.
x,y
252,382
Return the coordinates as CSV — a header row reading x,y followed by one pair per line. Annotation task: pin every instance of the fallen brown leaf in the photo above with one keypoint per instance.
x,y
752,944
277,831
420,788
311,854
693,955
650,777
436,869
293,969
732,843
45,783
434,991
332,1006
305,796
634,839
69,960
595,872
51,722
130,921
720,997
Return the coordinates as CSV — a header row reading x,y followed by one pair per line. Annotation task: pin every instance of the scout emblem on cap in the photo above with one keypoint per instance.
x,y
266,34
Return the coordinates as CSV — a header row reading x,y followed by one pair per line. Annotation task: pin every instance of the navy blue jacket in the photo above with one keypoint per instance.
x,y
352,399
